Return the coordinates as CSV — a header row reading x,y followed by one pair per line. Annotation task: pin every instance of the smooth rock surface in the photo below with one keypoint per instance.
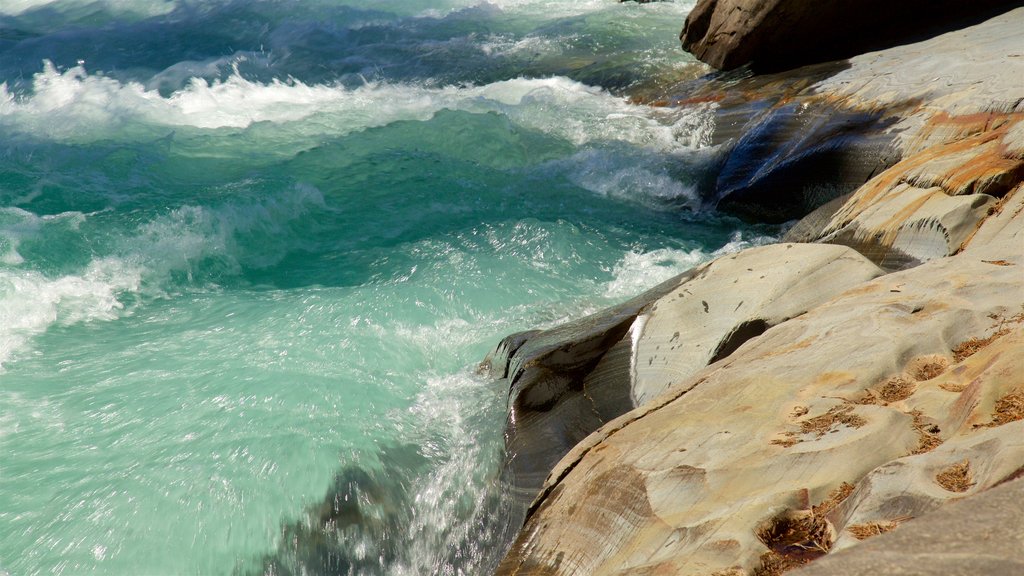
x,y
566,382
931,202
685,483
732,300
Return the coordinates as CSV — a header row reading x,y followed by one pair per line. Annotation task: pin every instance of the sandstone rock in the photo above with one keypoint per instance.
x,y
731,300
999,233
566,382
886,401
930,203
700,479
773,34
976,536
794,141
908,225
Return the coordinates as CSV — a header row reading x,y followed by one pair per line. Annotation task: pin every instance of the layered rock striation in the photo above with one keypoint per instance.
x,y
787,403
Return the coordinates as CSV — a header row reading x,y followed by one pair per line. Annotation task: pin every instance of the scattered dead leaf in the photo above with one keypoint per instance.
x,y
1008,408
869,529
969,347
896,388
928,368
953,386
956,478
795,538
789,440
998,262
835,498
774,564
821,425
835,417
800,411
927,434
868,399
801,535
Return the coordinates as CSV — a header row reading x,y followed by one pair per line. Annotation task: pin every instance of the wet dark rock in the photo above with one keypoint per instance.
x,y
364,524
782,149
358,526
564,383
798,156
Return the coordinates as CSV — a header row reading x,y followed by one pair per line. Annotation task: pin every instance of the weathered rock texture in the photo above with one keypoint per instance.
x,y
790,142
992,522
566,382
775,34
734,468
775,425
731,300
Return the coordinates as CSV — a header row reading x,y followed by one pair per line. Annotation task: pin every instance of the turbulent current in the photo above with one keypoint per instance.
x,y
251,252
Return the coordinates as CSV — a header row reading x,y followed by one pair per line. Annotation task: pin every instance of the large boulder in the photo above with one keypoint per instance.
x,y
568,381
779,34
934,119
882,403
879,406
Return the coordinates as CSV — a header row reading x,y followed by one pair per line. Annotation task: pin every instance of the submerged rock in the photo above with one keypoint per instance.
x,y
373,521
358,527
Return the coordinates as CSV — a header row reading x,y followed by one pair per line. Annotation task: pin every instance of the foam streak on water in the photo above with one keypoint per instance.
x,y
251,253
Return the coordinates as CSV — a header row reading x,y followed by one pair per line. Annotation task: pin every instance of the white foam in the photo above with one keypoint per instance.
x,y
30,302
74,105
140,265
558,9
449,412
638,180
583,114
17,225
639,271
738,241
507,45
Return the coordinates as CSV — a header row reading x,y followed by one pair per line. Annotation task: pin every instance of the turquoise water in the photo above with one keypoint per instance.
x,y
247,245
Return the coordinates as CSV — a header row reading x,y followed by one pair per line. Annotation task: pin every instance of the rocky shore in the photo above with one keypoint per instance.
x,y
851,398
